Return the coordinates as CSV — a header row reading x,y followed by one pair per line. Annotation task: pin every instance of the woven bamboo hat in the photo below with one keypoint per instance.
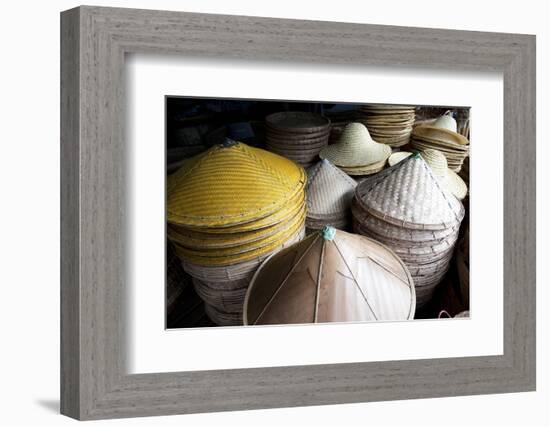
x,y
444,129
408,208
364,170
233,204
329,191
355,148
298,136
388,124
410,195
231,184
397,157
331,276
438,163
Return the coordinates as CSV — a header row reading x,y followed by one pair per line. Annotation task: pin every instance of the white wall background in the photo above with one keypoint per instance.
x,y
29,212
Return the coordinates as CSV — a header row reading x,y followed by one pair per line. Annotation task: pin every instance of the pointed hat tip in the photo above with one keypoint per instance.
x,y
328,232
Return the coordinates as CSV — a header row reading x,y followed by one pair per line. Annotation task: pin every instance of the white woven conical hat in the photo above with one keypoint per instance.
x,y
355,148
438,162
329,191
410,195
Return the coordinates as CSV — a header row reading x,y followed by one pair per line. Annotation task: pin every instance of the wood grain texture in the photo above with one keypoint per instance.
x,y
94,273
70,314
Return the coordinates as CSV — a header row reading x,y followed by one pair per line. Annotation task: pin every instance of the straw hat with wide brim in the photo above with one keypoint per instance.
x,y
355,148
444,128
331,276
364,170
438,163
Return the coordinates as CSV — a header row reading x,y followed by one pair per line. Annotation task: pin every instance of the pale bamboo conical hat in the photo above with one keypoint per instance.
x,y
329,191
411,196
330,276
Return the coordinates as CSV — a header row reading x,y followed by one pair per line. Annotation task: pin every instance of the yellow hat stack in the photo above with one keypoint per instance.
x,y
227,210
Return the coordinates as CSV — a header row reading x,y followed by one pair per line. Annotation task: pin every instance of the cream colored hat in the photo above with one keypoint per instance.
x,y
397,157
438,163
329,191
446,121
444,129
331,276
355,148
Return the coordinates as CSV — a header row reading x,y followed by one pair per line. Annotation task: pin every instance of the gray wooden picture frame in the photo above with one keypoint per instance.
x,y
94,41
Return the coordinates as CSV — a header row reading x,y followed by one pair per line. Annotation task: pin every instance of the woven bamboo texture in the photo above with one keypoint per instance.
x,y
388,124
230,185
223,318
454,146
298,136
438,163
223,288
331,276
356,149
408,209
329,193
409,195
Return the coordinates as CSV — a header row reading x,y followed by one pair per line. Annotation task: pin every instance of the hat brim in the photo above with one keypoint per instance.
x,y
456,185
360,158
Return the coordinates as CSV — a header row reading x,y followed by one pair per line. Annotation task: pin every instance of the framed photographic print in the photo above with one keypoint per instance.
x,y
261,213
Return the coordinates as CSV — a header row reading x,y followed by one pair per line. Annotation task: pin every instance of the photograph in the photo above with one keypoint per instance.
x,y
262,210
286,212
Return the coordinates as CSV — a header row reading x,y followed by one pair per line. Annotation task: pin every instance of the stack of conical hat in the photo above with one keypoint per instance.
x,y
228,209
331,276
442,135
438,163
356,153
389,124
298,136
329,192
407,208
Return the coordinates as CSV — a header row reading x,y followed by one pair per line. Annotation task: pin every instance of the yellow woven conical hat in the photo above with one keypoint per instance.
x,y
232,184
355,148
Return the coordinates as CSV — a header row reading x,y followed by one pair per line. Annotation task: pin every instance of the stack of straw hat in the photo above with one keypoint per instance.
x,y
438,163
297,136
356,153
406,208
442,135
331,276
329,192
389,124
228,209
